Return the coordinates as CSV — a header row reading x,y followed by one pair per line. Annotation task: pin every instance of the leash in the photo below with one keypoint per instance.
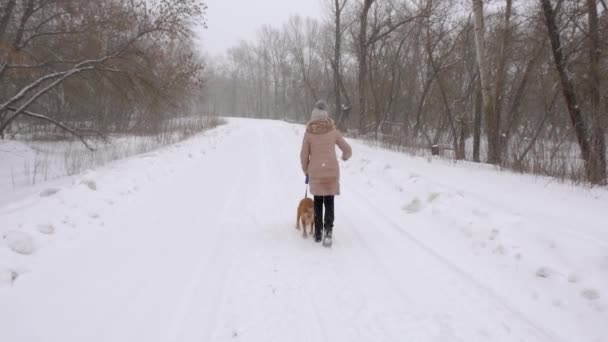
x,y
306,193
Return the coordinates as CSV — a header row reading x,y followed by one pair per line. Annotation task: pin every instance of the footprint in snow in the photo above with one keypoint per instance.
x,y
545,272
466,231
433,196
574,278
46,229
413,207
479,213
493,234
66,221
590,294
7,276
500,249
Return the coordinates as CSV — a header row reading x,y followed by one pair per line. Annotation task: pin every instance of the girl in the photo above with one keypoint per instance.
x,y
320,165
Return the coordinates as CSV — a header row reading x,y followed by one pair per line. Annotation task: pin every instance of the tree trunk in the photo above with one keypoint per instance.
x,y
500,73
367,4
598,142
569,94
486,93
5,15
337,66
461,151
514,112
446,103
27,13
477,123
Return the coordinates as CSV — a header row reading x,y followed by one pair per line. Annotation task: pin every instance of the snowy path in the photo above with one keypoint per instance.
x,y
197,243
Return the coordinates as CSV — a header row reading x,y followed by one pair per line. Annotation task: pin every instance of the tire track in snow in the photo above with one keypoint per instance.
x,y
215,285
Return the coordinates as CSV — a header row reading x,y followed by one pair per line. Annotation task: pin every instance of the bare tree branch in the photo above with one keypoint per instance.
x,y
56,123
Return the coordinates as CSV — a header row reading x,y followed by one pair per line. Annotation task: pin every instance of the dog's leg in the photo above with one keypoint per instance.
x,y
303,228
312,227
298,219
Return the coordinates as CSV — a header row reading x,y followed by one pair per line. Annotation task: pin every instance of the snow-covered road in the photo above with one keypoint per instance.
x,y
196,242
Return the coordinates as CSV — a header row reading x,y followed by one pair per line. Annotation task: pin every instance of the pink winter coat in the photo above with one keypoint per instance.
x,y
318,156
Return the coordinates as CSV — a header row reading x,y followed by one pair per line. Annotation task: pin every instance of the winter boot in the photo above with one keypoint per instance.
x,y
327,240
318,237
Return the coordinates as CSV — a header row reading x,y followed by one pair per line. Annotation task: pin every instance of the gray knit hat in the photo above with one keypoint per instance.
x,y
319,111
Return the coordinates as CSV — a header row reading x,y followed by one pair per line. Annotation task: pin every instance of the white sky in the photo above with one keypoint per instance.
x,y
229,21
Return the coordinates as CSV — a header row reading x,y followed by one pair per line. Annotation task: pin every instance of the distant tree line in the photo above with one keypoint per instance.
x,y
96,67
521,84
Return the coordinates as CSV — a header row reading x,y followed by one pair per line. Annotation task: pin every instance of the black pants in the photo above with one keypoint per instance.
x,y
328,223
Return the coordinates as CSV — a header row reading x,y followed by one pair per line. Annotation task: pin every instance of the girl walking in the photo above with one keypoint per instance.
x,y
320,165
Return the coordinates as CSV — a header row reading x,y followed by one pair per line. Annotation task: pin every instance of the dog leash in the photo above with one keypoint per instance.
x,y
306,193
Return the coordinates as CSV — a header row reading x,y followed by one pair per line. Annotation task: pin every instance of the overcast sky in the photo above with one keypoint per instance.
x,y
229,21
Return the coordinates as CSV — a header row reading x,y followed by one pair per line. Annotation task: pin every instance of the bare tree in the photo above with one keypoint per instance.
x,y
336,63
594,174
598,138
45,58
362,54
486,89
500,72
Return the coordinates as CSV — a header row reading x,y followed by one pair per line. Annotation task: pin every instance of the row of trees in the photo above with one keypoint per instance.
x,y
509,82
97,66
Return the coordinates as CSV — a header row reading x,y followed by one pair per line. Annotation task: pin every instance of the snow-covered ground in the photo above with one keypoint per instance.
x,y
196,242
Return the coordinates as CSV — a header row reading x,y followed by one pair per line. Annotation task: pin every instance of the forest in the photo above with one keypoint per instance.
x,y
519,84
513,83
89,69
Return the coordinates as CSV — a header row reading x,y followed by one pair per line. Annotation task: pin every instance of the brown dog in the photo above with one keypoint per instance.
x,y
306,214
